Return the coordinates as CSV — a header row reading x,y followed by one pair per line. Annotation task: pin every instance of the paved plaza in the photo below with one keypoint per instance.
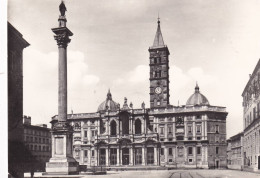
x,y
168,174
180,174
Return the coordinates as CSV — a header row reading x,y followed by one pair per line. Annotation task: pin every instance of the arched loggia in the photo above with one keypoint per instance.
x,y
138,126
113,128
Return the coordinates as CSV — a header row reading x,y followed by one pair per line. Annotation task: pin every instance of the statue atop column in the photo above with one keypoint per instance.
x,y
62,8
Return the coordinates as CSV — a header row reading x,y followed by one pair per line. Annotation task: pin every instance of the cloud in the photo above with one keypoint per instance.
x,y
41,83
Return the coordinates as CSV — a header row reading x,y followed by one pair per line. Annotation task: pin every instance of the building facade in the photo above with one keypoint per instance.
x,y
37,139
192,135
16,44
251,115
235,153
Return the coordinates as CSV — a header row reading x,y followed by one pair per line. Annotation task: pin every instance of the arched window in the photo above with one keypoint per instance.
x,y
125,123
138,126
113,128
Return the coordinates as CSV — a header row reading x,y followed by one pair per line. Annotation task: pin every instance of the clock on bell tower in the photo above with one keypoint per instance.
x,y
159,71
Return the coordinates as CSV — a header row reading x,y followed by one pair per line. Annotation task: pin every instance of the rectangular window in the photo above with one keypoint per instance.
x,y
190,129
170,129
190,160
217,150
217,128
198,117
162,151
198,127
93,153
86,153
198,150
170,151
85,133
35,147
190,150
40,140
93,133
161,130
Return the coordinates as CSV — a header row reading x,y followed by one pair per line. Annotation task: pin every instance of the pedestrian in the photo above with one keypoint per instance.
x,y
32,172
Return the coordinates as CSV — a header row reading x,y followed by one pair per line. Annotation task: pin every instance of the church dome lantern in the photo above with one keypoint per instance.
x,y
197,98
108,104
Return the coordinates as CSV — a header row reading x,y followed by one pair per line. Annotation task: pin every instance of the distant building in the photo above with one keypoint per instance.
x,y
191,136
235,153
251,121
37,139
16,158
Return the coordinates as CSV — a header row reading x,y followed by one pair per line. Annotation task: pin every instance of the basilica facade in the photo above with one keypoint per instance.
x,y
192,135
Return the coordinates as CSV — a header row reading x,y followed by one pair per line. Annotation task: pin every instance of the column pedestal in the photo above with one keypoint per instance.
x,y
62,161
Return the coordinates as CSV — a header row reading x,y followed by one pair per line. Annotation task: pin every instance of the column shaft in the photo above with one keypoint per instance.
x,y
62,84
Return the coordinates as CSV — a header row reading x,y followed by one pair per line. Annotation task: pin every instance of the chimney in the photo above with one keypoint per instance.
x,y
27,120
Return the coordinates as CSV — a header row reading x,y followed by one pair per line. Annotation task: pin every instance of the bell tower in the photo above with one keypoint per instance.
x,y
159,71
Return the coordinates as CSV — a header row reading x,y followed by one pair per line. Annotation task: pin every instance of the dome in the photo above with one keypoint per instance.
x,y
197,98
108,104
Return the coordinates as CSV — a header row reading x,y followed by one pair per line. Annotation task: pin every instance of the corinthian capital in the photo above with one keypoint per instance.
x,y
62,40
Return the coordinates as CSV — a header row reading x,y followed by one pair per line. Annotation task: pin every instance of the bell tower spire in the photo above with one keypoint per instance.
x,y
159,71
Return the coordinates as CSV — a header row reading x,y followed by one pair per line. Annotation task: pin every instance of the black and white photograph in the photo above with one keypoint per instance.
x,y
130,88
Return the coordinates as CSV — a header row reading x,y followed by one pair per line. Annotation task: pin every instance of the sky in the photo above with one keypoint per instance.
x,y
213,42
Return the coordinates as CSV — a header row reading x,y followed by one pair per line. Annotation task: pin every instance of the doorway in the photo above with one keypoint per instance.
x,y
150,155
102,157
125,156
217,164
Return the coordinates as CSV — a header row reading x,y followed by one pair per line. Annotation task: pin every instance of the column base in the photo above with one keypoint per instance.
x,y
61,166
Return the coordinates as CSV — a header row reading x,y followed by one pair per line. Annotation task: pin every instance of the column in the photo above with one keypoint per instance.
x,y
185,129
142,127
166,155
193,130
62,111
155,155
131,156
130,126
133,126
206,153
134,152
107,156
143,156
89,157
166,132
117,156
98,126
206,128
97,157
108,127
173,131
82,156
202,129
117,128
120,127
